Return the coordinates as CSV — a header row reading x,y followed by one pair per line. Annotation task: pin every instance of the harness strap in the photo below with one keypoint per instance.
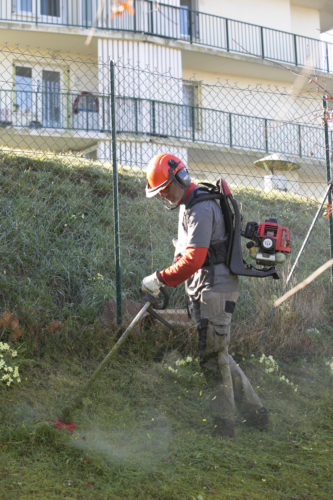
x,y
217,252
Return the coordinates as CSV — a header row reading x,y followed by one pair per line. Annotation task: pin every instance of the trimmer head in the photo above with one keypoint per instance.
x,y
61,426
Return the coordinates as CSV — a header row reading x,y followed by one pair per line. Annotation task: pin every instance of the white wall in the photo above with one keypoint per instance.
x,y
143,72
305,22
137,154
270,13
277,14
262,98
143,56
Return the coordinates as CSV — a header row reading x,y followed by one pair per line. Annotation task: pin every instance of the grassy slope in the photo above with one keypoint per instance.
x,y
143,432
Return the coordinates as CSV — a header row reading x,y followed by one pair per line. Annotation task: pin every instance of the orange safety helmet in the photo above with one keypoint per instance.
x,y
162,170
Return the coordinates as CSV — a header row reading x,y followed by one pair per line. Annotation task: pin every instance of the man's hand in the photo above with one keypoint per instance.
x,y
151,284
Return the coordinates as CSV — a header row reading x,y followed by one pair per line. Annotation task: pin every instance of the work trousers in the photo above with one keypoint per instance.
x,y
229,387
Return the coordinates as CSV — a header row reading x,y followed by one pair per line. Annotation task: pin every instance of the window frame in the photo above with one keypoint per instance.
x,y
195,98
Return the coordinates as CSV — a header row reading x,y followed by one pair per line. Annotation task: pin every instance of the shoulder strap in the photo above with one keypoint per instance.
x,y
204,193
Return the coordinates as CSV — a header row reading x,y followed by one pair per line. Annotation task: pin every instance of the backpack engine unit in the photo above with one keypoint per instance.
x,y
269,242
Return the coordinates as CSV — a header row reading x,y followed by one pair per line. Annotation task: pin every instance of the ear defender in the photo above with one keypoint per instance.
x,y
182,176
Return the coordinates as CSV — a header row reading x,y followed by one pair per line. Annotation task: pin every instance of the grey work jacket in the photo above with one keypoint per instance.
x,y
199,226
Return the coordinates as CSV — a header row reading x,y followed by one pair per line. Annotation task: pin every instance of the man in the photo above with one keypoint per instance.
x,y
211,288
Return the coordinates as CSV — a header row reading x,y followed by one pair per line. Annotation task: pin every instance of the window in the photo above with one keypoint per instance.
x,y
50,8
36,7
24,5
23,89
189,20
87,13
191,111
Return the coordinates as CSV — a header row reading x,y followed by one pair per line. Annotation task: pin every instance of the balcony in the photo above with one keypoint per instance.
x,y
196,124
179,24
88,116
41,109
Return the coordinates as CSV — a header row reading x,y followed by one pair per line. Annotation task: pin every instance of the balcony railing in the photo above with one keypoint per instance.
x,y
178,23
92,114
56,110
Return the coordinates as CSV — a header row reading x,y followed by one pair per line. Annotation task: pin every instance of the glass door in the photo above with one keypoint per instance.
x,y
189,20
89,11
185,6
23,97
51,99
24,6
24,9
51,11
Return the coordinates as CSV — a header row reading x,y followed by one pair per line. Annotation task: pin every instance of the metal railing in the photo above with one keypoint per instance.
x,y
92,113
179,23
61,110
221,128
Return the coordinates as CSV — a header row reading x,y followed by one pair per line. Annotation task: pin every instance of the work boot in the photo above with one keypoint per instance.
x,y
223,427
258,418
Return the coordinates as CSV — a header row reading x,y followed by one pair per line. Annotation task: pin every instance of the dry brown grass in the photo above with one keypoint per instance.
x,y
287,330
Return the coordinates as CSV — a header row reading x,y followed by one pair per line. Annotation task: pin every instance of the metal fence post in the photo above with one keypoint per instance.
x,y
328,172
227,34
86,7
115,195
230,130
153,117
295,50
190,20
134,17
151,18
262,42
299,141
266,134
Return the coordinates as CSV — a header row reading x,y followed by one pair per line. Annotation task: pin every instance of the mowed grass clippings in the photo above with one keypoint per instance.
x,y
143,430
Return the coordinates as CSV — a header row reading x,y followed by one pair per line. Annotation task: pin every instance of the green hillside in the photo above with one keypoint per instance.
x,y
143,430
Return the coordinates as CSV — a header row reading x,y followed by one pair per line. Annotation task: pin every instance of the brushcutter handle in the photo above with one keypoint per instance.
x,y
161,301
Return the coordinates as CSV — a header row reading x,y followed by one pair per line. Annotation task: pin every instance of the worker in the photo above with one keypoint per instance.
x,y
211,289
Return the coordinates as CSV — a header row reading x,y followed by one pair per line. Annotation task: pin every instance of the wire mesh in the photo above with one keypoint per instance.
x,y
56,106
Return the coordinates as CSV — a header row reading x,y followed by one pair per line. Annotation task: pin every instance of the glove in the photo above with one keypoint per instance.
x,y
151,284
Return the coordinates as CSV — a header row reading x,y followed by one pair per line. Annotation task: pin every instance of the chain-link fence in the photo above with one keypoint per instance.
x,y
117,116
255,137
59,103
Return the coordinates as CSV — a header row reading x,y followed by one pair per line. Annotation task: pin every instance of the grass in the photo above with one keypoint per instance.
x,y
144,430
144,433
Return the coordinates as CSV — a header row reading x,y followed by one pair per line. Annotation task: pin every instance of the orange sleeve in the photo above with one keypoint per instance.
x,y
185,267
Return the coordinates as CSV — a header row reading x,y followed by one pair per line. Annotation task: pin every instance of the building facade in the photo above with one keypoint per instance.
x,y
220,84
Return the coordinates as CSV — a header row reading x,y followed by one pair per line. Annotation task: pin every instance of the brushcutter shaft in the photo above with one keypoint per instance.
x,y
77,401
117,344
304,283
159,318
